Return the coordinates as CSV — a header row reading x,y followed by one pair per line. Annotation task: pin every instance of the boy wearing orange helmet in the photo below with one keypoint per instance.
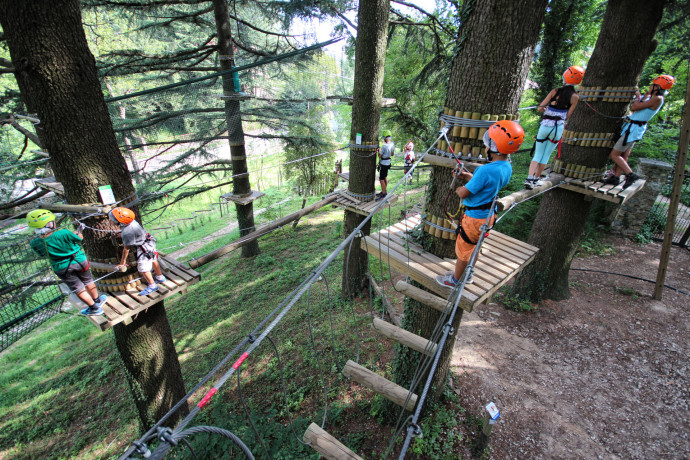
x,y
134,236
557,107
643,109
501,139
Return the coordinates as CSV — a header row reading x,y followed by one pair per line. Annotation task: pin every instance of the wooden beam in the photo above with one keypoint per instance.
x,y
389,390
522,195
424,297
327,445
59,207
676,190
392,312
259,232
446,162
106,267
404,337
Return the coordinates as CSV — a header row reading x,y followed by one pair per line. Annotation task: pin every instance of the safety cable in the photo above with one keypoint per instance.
x,y
629,276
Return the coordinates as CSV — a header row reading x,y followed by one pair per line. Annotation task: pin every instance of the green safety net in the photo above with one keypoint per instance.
x,y
29,292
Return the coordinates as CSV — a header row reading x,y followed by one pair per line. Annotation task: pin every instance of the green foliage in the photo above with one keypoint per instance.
x,y
654,224
442,429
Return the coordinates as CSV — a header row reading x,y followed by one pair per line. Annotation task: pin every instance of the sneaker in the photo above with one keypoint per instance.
x,y
529,184
470,280
609,173
539,182
160,279
92,311
446,280
381,196
612,180
149,289
630,179
98,303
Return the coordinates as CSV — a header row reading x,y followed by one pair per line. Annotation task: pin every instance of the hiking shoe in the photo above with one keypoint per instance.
x,y
446,280
160,279
630,179
149,289
92,311
529,184
612,180
381,196
98,303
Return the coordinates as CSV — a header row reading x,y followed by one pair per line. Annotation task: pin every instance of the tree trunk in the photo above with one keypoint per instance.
x,y
56,74
488,74
370,58
617,60
238,155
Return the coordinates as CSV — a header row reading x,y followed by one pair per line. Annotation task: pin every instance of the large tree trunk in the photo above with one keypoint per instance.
x,y
488,75
56,74
370,58
625,42
238,154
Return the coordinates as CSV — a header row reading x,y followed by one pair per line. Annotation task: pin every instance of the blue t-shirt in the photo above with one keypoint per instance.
x,y
484,186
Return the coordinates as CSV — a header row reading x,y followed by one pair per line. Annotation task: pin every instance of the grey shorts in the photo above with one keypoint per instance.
x,y
621,147
76,276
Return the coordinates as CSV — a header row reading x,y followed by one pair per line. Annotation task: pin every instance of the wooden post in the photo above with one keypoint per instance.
x,y
381,385
404,337
426,298
675,197
327,445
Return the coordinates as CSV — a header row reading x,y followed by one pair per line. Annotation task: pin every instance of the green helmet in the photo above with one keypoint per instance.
x,y
386,133
39,218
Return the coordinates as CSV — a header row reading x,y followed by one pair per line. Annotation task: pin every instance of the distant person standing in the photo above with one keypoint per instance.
x,y
409,160
386,152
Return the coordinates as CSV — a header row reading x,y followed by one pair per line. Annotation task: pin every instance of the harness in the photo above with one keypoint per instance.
x,y
71,259
146,248
626,133
461,231
547,138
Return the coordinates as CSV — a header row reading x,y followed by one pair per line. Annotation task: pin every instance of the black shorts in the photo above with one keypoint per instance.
x,y
76,276
383,172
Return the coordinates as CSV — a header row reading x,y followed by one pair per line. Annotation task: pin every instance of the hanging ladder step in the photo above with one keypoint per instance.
x,y
404,337
327,445
381,385
424,297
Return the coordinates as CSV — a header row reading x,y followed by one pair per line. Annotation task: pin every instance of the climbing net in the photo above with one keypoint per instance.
x,y
29,293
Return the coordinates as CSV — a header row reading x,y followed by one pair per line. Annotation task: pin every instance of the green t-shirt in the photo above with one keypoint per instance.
x,y
59,246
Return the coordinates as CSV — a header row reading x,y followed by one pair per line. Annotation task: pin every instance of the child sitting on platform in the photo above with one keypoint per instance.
x,y
134,236
501,139
66,257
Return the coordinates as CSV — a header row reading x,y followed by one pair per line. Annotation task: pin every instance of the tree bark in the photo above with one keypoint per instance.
x,y
370,58
56,75
238,154
496,45
625,42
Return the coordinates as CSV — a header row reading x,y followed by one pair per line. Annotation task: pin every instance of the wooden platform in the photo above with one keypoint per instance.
x,y
360,207
243,200
344,175
598,189
50,184
501,258
122,307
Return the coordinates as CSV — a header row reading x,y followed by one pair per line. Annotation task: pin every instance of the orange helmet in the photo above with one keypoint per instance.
x,y
665,81
507,135
573,75
121,215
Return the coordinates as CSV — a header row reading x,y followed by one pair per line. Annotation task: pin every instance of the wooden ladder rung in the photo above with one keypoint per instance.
x,y
327,445
426,298
404,337
381,385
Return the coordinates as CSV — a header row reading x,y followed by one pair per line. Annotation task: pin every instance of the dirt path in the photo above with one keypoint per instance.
x,y
601,375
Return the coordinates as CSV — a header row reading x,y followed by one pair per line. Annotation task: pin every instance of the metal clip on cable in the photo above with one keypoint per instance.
x,y
166,435
142,449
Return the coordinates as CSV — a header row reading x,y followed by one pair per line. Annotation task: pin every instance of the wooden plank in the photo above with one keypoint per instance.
x,y
493,290
512,240
179,265
426,298
518,250
100,321
404,337
507,252
392,312
127,301
380,385
180,273
630,191
327,445
596,194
